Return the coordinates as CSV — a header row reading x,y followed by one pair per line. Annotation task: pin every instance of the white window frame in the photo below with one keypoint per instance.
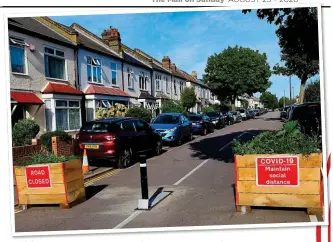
x,y
56,56
158,82
115,71
143,77
93,59
181,86
167,86
19,45
130,81
175,86
67,108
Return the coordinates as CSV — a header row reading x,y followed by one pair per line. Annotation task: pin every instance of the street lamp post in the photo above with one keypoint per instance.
x,y
284,98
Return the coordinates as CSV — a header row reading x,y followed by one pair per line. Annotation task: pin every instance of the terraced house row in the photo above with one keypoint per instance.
x,y
61,74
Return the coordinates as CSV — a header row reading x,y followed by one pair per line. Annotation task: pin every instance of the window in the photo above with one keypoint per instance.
x,y
128,126
114,73
142,126
94,70
158,82
181,86
143,81
167,84
174,87
54,63
17,55
48,115
67,114
129,77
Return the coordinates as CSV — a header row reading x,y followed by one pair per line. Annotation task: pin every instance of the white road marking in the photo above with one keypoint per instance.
x,y
313,218
190,173
129,219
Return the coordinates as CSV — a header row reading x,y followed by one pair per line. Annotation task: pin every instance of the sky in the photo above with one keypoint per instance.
x,y
189,38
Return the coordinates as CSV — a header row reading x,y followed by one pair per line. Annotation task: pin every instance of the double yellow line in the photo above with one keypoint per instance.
x,y
91,181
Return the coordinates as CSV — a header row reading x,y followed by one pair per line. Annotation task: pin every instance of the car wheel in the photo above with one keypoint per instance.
x,y
204,132
124,159
190,137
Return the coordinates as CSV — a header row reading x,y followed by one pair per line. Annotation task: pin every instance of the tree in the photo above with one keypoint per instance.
x,y
188,98
284,100
139,112
269,100
244,103
298,39
171,106
312,92
237,71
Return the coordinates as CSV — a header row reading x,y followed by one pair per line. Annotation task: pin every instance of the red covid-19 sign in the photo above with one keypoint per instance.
x,y
277,171
38,176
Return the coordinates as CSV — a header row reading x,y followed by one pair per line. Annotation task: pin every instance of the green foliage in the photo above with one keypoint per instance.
x,y
208,109
118,110
24,131
269,100
139,112
286,141
236,71
244,103
287,101
42,158
170,106
188,98
312,92
46,139
298,39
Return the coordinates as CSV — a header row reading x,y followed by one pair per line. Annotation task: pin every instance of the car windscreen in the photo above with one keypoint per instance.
x,y
195,118
212,114
167,119
96,127
242,111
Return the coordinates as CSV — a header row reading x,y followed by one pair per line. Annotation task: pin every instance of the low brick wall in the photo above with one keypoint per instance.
x,y
22,153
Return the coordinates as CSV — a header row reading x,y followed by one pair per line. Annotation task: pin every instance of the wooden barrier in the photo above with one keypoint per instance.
x,y
67,185
308,194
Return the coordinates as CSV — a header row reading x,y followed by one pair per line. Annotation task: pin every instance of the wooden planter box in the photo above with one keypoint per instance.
x,y
307,194
58,183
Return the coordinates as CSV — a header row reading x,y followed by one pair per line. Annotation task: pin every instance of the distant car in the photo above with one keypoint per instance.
x,y
308,116
217,119
249,114
242,112
201,124
173,127
228,117
118,140
256,112
237,116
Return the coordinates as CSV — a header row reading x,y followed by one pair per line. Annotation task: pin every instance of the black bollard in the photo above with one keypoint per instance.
x,y
144,202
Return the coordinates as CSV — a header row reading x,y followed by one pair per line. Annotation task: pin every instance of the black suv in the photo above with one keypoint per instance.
x,y
217,119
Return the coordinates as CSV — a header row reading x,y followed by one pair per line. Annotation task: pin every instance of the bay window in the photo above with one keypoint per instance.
x,y
67,115
129,77
54,60
158,79
143,81
94,70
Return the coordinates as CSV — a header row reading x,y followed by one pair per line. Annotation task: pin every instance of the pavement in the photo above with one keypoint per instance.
x,y
199,174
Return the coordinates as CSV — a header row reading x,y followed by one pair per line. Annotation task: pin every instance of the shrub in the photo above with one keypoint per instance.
x,y
139,112
171,106
46,139
42,158
289,140
188,98
208,109
24,131
118,110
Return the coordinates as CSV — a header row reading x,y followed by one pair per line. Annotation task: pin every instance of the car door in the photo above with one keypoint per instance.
x,y
208,122
145,137
128,135
186,126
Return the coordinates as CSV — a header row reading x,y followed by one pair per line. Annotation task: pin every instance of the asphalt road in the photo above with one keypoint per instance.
x,y
200,175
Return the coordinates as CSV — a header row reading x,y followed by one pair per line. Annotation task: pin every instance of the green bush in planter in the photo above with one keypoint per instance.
x,y
139,112
24,131
286,141
42,158
46,139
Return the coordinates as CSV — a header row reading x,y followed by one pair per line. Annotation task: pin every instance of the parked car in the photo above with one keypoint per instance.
x,y
118,140
242,112
249,114
228,117
201,124
308,116
173,127
217,119
283,113
237,116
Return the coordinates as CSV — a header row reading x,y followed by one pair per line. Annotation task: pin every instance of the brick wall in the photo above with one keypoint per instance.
x,y
61,148
22,153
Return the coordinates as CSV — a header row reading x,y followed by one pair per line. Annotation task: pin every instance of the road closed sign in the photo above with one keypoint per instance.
x,y
277,171
38,176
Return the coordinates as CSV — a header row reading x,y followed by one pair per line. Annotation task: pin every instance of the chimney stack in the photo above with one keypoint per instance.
x,y
173,67
112,38
166,63
194,75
